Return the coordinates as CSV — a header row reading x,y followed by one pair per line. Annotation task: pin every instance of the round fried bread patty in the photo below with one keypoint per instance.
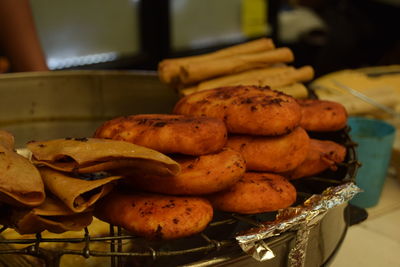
x,y
322,155
199,175
254,193
168,133
155,216
272,153
322,115
245,109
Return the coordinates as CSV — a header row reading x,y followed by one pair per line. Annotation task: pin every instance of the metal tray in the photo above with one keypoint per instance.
x,y
74,103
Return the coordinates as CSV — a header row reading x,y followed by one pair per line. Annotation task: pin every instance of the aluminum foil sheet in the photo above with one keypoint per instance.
x,y
300,219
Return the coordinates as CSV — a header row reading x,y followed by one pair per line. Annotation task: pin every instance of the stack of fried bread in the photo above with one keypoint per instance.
x,y
232,143
256,62
171,206
233,136
269,128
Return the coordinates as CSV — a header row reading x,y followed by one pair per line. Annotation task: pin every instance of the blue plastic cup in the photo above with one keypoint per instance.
x,y
375,140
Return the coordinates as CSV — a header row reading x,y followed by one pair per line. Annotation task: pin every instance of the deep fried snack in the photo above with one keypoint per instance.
x,y
272,154
87,155
52,215
155,216
322,155
199,175
245,109
168,133
77,193
255,193
322,115
20,181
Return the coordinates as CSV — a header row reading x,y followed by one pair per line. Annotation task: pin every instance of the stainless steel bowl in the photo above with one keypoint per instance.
x,y
40,106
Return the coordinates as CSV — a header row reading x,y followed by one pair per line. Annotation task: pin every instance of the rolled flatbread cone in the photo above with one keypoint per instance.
x,y
52,215
20,181
52,206
84,155
77,194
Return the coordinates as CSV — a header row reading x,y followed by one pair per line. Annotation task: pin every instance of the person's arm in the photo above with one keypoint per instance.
x,y
18,37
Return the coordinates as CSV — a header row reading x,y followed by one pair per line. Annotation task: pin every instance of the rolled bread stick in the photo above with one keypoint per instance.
x,y
286,78
297,90
198,71
169,69
276,78
252,76
237,78
303,74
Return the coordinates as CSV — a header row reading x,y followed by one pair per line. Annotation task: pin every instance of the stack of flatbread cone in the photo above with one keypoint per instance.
x,y
57,190
256,62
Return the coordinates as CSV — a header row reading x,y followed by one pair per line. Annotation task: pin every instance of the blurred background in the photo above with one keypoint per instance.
x,y
136,34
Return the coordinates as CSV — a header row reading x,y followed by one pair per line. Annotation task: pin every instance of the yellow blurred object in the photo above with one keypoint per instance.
x,y
254,17
96,229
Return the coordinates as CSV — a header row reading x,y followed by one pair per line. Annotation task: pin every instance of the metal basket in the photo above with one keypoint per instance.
x,y
30,114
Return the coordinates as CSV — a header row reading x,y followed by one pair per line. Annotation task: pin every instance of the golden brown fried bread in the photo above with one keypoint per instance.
x,y
155,216
255,193
245,109
87,155
322,155
168,133
322,115
76,192
272,153
20,181
199,175
51,215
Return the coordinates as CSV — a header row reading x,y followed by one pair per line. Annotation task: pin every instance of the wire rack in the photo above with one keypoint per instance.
x,y
216,240
116,240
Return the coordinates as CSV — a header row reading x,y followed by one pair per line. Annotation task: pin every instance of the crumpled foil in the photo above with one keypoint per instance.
x,y
26,153
260,252
300,219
